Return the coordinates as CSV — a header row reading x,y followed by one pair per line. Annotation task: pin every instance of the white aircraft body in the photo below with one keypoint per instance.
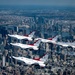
x,y
49,40
30,46
54,41
29,37
39,61
66,44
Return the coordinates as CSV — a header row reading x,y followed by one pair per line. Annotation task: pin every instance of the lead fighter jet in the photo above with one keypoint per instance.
x,y
49,40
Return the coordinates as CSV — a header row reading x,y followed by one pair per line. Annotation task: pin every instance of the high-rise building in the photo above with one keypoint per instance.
x,y
3,61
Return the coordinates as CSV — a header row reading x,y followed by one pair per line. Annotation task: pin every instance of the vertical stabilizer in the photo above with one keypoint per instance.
x,y
37,43
44,58
31,34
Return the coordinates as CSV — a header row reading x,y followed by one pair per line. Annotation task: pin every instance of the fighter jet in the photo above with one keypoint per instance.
x,y
49,40
29,46
28,37
28,61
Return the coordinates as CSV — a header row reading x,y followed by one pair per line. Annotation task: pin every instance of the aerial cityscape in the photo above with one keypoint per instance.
x,y
37,40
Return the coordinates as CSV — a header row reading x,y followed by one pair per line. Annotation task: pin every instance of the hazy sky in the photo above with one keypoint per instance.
x,y
38,2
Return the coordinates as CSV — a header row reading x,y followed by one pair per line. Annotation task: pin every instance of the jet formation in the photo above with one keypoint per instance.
x,y
35,46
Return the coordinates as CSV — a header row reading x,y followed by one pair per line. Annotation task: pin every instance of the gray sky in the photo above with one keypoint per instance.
x,y
38,2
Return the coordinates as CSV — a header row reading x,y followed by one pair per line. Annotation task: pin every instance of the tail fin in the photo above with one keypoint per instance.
x,y
54,38
37,43
31,34
44,58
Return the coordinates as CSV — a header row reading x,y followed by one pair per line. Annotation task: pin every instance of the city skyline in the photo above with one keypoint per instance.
x,y
38,2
